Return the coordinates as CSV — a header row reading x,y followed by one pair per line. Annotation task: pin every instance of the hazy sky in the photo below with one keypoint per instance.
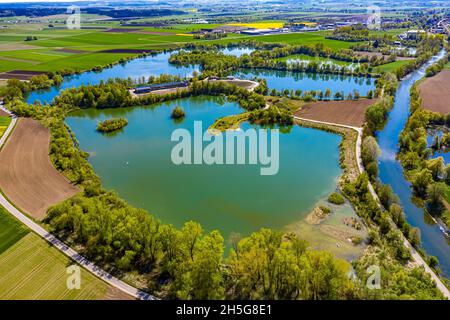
x,y
14,1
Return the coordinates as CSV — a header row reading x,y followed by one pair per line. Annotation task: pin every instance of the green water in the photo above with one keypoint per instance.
x,y
231,198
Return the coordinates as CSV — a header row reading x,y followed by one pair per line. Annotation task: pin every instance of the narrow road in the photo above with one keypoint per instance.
x,y
414,254
61,246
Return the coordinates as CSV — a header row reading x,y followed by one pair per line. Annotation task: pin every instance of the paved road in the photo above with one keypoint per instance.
x,y
61,246
415,255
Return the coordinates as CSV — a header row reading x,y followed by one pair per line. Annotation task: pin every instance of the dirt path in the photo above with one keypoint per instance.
x,y
29,178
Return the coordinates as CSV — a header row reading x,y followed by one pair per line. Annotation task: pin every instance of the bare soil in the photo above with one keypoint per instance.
x,y
350,113
28,177
435,92
19,74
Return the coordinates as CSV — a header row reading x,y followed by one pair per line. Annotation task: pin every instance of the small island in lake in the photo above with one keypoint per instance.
x,y
178,113
111,125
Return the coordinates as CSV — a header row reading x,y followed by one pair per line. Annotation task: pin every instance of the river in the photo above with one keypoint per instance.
x,y
391,172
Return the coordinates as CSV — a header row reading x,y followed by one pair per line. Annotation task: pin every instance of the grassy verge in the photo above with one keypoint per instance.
x,y
11,231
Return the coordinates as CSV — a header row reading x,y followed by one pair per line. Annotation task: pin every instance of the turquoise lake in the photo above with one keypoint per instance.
x,y
281,80
231,198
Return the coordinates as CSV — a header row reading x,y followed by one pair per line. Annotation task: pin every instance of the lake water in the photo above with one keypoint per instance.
x,y
281,80
237,51
232,198
158,64
445,154
137,68
391,172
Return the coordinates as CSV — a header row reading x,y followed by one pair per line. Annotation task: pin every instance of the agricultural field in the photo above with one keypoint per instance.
x,y
350,113
307,38
390,67
76,49
4,123
260,25
392,32
36,189
31,269
435,92
11,231
58,48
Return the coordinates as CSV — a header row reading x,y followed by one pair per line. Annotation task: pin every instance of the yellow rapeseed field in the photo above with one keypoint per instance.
x,y
259,25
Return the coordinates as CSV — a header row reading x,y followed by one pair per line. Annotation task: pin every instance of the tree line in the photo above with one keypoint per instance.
x,y
215,62
430,178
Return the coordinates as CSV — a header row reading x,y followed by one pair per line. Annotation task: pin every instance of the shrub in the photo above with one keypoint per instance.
x,y
336,198
112,125
178,113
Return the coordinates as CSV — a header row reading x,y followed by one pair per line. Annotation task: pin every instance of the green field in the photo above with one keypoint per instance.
x,y
31,269
390,67
4,123
11,230
306,38
392,32
44,53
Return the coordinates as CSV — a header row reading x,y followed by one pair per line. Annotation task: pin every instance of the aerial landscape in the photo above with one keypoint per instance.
x,y
225,150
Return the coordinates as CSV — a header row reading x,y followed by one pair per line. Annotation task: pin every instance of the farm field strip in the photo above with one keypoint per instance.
x,y
11,230
31,269
348,113
435,92
4,123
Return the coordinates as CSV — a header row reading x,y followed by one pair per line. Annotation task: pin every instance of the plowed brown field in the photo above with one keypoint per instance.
x,y
27,176
350,113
